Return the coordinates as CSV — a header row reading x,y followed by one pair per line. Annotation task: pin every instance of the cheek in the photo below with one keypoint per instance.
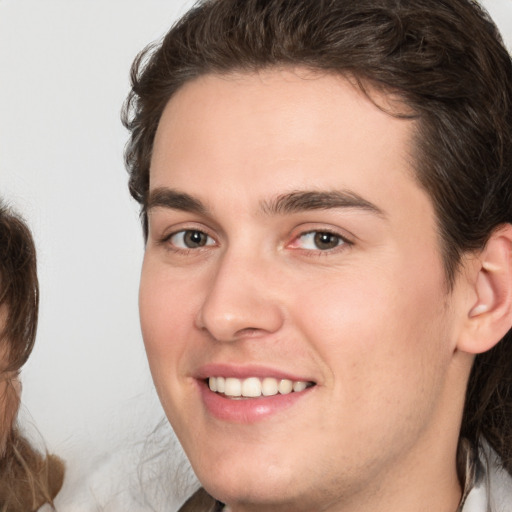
x,y
383,360
159,309
167,317
381,332
163,307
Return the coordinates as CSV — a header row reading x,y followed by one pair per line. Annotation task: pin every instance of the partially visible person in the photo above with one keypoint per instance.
x,y
28,479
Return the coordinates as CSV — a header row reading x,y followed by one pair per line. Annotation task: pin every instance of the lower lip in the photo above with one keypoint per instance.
x,y
247,410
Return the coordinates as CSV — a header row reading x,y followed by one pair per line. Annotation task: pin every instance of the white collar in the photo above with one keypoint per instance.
x,y
488,486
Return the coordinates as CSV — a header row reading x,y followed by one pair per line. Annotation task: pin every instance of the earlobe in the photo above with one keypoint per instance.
x,y
490,316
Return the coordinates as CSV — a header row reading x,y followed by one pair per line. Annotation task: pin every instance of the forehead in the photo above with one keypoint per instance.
x,y
283,117
251,136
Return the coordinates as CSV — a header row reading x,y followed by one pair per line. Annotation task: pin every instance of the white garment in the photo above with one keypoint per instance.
x,y
491,490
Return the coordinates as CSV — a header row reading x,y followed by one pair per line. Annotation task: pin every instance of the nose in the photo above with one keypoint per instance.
x,y
240,301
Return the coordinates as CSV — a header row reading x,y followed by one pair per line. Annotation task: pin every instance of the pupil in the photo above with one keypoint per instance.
x,y
326,240
195,239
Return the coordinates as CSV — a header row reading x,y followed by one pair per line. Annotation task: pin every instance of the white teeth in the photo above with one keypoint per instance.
x,y
233,387
285,386
299,386
253,387
269,387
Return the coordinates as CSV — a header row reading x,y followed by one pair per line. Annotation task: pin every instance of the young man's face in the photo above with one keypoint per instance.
x,y
289,241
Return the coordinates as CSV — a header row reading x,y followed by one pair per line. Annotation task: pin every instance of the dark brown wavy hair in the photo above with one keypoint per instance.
x,y
446,61
27,478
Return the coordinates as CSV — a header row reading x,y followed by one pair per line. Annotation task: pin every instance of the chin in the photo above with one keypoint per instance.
x,y
257,486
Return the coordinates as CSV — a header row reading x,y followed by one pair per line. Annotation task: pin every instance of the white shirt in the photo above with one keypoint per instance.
x,y
488,486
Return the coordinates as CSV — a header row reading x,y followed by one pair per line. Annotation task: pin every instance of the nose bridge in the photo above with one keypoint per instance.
x,y
238,300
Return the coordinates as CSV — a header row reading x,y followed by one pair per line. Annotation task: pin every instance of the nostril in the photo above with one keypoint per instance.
x,y
248,332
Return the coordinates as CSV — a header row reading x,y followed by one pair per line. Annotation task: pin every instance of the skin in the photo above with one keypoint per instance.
x,y
369,321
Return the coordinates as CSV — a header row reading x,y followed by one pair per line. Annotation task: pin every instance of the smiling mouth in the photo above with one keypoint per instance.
x,y
254,387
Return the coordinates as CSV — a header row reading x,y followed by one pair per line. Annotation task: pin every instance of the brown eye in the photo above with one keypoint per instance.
x,y
319,241
190,239
325,241
193,239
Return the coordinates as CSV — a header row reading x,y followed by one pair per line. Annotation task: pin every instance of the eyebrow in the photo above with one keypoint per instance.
x,y
299,201
292,202
163,197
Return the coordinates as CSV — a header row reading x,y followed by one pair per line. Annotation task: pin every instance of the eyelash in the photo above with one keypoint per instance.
x,y
341,241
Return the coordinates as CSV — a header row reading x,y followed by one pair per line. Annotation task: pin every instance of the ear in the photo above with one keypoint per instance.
x,y
489,317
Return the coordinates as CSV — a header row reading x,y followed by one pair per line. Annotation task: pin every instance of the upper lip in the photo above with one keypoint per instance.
x,y
246,371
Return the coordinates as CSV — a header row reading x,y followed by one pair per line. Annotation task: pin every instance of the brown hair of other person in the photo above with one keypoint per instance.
x,y
445,61
27,478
